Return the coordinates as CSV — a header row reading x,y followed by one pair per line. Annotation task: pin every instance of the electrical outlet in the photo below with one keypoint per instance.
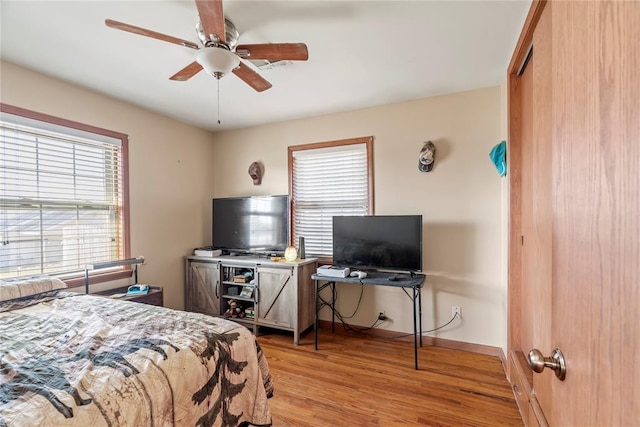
x,y
382,317
456,310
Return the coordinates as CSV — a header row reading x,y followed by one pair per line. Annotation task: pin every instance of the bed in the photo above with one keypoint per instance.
x,y
70,359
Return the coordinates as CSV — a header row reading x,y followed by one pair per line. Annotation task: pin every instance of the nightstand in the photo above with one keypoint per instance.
x,y
153,297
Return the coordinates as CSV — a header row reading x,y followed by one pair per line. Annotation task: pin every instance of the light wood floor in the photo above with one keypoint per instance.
x,y
354,380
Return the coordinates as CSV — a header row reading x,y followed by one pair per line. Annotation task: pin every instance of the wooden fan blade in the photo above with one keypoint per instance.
x,y
187,72
251,78
212,18
144,32
274,51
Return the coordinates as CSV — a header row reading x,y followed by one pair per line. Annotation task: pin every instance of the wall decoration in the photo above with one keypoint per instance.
x,y
498,156
427,157
255,171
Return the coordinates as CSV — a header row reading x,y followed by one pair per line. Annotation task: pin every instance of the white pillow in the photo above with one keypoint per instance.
x,y
18,288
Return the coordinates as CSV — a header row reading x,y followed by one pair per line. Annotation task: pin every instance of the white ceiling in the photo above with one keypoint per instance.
x,y
361,53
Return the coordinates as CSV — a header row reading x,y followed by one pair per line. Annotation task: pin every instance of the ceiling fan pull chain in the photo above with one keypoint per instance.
x,y
218,100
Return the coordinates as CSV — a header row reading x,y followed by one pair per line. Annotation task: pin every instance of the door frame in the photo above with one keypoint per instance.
x,y
517,370
514,160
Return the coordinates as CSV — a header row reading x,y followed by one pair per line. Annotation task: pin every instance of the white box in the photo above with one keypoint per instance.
x,y
331,271
207,252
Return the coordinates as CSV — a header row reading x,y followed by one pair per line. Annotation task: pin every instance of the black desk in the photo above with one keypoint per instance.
x,y
403,281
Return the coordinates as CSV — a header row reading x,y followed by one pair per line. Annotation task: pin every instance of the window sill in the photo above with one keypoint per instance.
x,y
98,278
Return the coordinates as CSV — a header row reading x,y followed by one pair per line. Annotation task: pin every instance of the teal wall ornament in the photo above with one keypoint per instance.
x,y
498,156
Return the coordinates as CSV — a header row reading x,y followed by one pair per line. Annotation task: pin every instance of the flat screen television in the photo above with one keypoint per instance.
x,y
378,242
258,224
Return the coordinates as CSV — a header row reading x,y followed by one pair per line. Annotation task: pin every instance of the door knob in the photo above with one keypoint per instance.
x,y
537,362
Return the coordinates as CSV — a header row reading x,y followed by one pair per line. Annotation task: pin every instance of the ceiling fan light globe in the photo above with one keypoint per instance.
x,y
217,61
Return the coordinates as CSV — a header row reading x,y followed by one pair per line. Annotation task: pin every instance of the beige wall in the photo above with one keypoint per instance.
x,y
460,200
175,170
171,179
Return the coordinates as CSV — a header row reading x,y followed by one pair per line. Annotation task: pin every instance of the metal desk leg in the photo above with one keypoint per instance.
x,y
420,312
315,323
415,331
333,307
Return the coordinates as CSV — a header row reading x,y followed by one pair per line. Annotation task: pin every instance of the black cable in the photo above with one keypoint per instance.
x,y
357,305
356,329
426,332
342,318
440,327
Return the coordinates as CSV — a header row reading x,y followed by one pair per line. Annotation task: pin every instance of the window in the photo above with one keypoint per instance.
x,y
328,179
63,195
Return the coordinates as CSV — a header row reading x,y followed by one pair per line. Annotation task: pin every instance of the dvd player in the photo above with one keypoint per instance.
x,y
207,251
333,271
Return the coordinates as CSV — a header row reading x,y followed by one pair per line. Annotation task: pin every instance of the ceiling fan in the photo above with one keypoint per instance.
x,y
220,53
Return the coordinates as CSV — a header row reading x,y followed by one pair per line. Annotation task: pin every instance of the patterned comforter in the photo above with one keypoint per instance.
x,y
76,360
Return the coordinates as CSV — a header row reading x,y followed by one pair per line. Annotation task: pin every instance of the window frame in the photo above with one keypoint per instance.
x,y
125,271
367,140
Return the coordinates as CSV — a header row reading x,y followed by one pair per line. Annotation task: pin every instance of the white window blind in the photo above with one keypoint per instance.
x,y
327,182
61,199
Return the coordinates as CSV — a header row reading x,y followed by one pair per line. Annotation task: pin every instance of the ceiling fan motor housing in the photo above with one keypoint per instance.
x,y
231,34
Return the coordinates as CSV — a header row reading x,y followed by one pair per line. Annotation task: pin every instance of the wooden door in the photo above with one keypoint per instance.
x,y
575,197
536,236
277,302
596,219
203,288
531,88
